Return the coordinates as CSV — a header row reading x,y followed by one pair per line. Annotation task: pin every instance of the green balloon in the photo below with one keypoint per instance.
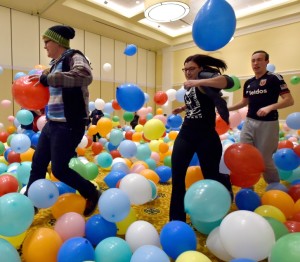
x,y
295,80
286,249
91,171
128,116
115,119
78,166
236,86
2,148
167,161
278,227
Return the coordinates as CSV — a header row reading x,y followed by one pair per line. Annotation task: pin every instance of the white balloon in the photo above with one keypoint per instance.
x,y
107,67
171,94
99,104
84,142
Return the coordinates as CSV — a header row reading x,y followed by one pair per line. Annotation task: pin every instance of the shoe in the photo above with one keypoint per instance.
x,y
36,210
91,203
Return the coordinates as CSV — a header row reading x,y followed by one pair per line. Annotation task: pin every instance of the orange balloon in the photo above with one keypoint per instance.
x,y
297,206
42,244
80,151
11,129
90,141
173,134
221,126
53,178
159,111
193,174
163,148
142,121
281,200
92,130
151,175
68,202
241,158
128,135
137,136
27,155
104,126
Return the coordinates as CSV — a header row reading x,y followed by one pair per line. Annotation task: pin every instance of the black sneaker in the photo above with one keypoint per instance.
x,y
91,203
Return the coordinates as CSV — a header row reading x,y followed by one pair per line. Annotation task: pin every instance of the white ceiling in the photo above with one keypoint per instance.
x,y
124,19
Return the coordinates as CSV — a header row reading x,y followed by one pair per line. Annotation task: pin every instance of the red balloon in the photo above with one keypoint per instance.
x,y
296,217
221,126
293,226
244,159
244,180
285,144
115,153
13,157
294,192
297,150
128,135
90,142
29,96
8,184
4,136
160,98
97,148
115,105
142,121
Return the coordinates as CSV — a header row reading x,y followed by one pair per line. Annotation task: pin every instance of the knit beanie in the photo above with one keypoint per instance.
x,y
60,34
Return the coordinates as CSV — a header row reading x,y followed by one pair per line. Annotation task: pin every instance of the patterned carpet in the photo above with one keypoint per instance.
x,y
155,212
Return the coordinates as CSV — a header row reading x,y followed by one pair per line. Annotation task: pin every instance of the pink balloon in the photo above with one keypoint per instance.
x,y
149,109
235,119
162,118
243,112
142,112
5,103
70,225
40,123
137,168
155,156
11,118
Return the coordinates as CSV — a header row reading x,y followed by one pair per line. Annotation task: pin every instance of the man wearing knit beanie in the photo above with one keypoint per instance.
x,y
67,113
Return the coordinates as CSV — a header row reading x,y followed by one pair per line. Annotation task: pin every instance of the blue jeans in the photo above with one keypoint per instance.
x,y
57,143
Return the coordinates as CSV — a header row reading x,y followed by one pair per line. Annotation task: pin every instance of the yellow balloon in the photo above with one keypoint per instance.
x,y
92,130
126,222
154,129
270,211
192,256
115,124
3,161
16,241
139,128
154,145
104,126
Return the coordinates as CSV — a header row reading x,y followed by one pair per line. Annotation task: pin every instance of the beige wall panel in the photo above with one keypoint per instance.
x,y
92,51
142,67
5,39
107,56
94,89
151,69
131,68
78,41
25,42
44,25
107,91
120,63
6,94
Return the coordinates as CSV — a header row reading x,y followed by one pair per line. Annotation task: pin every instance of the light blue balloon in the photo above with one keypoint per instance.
x,y
116,137
19,75
214,25
20,143
180,94
271,68
149,253
76,249
113,249
3,168
17,214
120,166
108,108
293,120
114,205
207,200
127,149
277,186
43,193
92,106
104,160
24,116
8,252
130,50
130,97
143,152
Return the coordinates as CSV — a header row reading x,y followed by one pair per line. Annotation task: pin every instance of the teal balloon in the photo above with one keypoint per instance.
x,y
207,200
214,25
130,97
104,160
23,172
8,252
24,116
17,214
143,152
113,249
116,137
205,227
286,249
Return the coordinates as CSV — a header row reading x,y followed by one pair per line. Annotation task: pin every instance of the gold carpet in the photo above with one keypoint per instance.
x,y
155,212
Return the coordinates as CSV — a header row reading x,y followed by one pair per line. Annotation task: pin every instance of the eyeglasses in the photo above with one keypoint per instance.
x,y
191,69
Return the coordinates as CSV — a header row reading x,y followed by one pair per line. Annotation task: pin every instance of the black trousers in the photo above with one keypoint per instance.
x,y
205,142
57,143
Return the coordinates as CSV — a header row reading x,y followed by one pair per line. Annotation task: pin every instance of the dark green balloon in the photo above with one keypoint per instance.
x,y
128,116
295,80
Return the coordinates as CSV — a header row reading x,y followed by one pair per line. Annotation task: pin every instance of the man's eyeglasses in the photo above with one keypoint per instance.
x,y
191,69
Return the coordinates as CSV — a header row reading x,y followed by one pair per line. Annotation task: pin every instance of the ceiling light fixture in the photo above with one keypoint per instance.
x,y
165,11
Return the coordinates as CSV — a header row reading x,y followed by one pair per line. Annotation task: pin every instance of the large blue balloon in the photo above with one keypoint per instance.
x,y
130,97
214,25
247,199
293,120
286,159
